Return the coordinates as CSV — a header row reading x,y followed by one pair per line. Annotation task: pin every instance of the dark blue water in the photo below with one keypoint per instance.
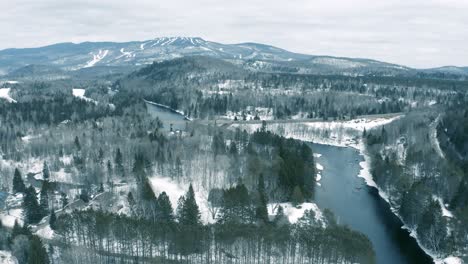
x,y
361,208
168,117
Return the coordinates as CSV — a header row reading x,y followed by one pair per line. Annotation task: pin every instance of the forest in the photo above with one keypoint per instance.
x,y
97,178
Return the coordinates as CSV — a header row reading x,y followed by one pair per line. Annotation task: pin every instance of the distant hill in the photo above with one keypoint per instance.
x,y
65,57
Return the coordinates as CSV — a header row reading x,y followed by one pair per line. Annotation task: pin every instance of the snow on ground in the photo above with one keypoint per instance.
x,y
96,58
61,176
80,93
263,113
433,137
45,232
7,258
9,217
445,211
175,190
295,213
317,155
126,54
28,138
319,166
450,260
67,160
4,93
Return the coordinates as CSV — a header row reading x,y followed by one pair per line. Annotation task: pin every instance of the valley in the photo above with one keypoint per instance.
x,y
181,150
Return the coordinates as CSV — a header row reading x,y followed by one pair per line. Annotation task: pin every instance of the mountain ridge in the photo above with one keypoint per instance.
x,y
69,56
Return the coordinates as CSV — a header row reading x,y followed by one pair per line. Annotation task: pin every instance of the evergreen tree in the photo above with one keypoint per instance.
x,y
101,156
53,220
37,252
45,171
77,143
64,199
165,213
44,200
18,184
189,213
118,161
297,197
84,196
33,211
261,211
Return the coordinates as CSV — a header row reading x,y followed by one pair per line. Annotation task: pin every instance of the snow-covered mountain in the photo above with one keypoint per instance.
x,y
253,56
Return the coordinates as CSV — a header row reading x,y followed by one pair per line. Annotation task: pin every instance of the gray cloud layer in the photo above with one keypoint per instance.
x,y
418,33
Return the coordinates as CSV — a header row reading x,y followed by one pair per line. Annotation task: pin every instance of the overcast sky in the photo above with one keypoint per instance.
x,y
417,33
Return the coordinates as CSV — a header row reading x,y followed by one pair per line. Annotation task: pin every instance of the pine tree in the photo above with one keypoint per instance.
x,y
18,184
45,171
44,200
118,161
53,220
261,211
165,213
32,209
101,156
37,252
189,213
64,199
77,143
297,197
280,218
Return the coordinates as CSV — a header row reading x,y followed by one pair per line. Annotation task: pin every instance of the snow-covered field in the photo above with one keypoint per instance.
x,y
5,94
80,93
7,258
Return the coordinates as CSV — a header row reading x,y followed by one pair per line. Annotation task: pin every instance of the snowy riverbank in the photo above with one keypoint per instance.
x,y
345,134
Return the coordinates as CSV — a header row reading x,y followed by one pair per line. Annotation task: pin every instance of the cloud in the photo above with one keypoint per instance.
x,y
416,33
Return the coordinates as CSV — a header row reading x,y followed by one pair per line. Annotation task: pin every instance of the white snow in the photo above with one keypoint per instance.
x,y
126,54
175,190
46,232
450,260
28,138
7,258
319,166
433,137
318,177
341,63
317,155
67,160
445,211
4,93
79,93
9,217
96,58
295,213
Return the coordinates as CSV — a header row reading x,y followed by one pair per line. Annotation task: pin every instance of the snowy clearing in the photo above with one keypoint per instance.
x,y
445,211
5,94
80,93
9,217
175,190
7,258
295,213
46,232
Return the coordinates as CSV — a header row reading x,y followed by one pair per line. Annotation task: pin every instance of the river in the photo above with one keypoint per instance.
x,y
353,202
361,208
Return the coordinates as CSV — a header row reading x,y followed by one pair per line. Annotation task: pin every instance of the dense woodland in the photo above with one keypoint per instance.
x,y
101,172
422,179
